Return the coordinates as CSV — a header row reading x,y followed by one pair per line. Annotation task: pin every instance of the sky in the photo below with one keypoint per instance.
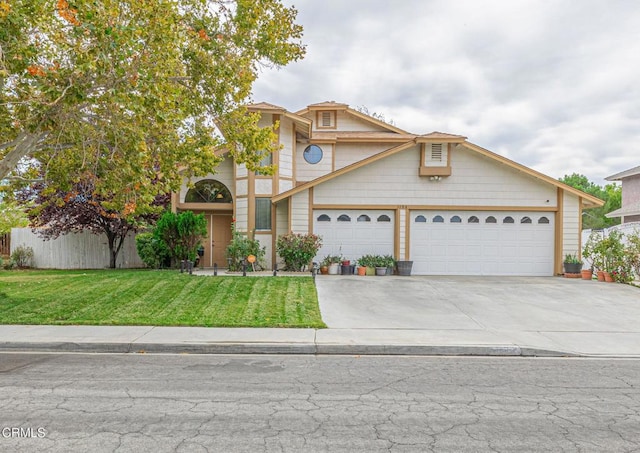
x,y
551,84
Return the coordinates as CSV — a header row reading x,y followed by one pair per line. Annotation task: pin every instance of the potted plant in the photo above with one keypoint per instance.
x,y
572,265
404,267
594,253
368,263
333,263
390,262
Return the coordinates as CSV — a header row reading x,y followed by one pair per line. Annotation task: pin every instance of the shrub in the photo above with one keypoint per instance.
x,y
152,251
297,250
240,247
22,256
181,233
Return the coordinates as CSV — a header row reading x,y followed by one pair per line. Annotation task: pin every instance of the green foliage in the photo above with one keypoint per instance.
x,y
22,256
331,259
572,259
152,251
181,234
594,218
240,248
127,89
374,261
297,250
11,216
633,251
607,252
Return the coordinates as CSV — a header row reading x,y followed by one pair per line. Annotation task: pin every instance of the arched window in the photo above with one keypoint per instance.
x,y
384,218
508,219
491,219
543,220
438,219
208,191
473,219
421,219
456,219
344,218
525,219
364,218
324,218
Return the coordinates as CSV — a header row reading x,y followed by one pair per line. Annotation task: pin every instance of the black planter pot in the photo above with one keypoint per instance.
x,y
572,268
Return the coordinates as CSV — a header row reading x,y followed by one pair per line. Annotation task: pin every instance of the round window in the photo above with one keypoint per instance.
x,y
312,154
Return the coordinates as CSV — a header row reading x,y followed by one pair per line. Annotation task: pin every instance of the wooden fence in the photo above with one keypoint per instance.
x,y
5,244
75,251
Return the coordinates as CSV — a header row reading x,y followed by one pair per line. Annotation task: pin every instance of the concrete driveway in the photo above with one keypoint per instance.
x,y
551,313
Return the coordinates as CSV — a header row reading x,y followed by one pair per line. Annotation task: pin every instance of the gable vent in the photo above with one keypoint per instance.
x,y
436,152
326,119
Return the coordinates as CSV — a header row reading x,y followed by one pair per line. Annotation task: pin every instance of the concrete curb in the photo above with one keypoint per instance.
x,y
281,348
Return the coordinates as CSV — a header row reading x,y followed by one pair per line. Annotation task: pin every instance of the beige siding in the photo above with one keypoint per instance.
x,y
571,225
346,154
242,186
306,171
242,213
282,221
285,185
403,234
348,122
300,212
264,186
285,166
75,250
241,171
265,241
475,180
223,173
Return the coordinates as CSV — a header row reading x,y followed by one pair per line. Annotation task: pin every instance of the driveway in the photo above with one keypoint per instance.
x,y
544,312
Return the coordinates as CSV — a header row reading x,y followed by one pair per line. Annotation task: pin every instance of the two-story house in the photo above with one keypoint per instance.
x,y
630,208
368,187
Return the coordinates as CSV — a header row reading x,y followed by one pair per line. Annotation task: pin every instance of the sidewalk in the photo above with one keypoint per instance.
x,y
200,340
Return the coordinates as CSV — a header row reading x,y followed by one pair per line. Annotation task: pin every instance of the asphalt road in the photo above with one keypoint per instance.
x,y
188,403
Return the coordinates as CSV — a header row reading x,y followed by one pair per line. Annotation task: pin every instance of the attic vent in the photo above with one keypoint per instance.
x,y
436,152
327,119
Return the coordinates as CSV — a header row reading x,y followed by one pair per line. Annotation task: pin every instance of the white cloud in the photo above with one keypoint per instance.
x,y
550,84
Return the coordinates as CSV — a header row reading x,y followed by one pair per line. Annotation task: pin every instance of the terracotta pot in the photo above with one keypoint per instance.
x,y
600,275
567,275
587,274
608,278
362,270
324,270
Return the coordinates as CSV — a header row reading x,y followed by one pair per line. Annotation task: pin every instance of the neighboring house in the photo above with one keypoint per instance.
x,y
630,209
365,186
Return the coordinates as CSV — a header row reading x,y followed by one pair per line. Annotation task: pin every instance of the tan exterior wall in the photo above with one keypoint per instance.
x,y
285,165
265,241
300,212
347,153
242,213
571,225
224,174
306,171
347,122
475,181
264,186
285,185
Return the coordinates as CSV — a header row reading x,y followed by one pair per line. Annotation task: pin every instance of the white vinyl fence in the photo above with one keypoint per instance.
x,y
75,251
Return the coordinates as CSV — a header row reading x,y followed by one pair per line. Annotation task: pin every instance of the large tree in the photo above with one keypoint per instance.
x,y
127,90
58,212
611,194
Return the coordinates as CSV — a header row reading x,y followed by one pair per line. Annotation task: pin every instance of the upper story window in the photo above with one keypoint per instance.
x,y
208,191
326,119
265,162
312,154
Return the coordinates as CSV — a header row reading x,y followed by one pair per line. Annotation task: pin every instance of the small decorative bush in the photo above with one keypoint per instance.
x,y
181,233
331,259
152,251
241,247
297,250
22,256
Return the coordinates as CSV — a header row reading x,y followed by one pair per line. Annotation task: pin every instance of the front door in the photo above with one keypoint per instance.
x,y
217,239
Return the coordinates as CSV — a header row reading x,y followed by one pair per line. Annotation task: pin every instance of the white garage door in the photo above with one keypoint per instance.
x,y
482,243
353,233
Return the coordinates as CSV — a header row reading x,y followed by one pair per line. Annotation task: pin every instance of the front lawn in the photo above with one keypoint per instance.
x,y
158,298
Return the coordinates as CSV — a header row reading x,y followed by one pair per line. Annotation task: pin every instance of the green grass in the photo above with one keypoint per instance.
x,y
158,298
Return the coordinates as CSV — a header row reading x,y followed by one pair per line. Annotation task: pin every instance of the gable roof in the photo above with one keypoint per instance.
x,y
332,105
624,174
587,200
301,121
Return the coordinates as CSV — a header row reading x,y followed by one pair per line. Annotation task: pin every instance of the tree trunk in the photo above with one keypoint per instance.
x,y
23,145
113,252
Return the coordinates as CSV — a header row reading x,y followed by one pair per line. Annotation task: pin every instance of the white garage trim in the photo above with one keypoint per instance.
x,y
482,242
354,232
